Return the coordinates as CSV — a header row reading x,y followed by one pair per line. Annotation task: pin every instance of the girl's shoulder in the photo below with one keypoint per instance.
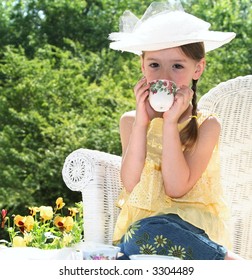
x,y
127,118
207,118
209,126
126,123
129,114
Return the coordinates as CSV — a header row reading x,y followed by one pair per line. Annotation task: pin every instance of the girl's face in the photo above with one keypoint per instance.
x,y
171,64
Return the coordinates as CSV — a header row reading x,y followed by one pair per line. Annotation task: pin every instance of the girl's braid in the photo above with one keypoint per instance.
x,y
194,99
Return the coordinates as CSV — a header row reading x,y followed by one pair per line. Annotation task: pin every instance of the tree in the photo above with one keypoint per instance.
x,y
34,23
49,106
233,59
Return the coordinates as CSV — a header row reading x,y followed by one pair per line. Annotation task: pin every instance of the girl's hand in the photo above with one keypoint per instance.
x,y
143,109
181,102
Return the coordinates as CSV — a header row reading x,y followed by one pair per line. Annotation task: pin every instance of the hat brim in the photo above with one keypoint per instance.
x,y
168,29
211,39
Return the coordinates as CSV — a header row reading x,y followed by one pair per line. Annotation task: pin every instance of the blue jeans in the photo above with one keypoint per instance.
x,y
169,235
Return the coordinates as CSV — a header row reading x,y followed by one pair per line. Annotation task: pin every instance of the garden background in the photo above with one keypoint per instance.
x,y
62,88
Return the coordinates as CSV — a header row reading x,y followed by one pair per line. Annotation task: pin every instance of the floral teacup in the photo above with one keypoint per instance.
x,y
162,94
97,251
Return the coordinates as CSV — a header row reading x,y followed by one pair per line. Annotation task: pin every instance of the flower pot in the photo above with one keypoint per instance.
x,y
31,253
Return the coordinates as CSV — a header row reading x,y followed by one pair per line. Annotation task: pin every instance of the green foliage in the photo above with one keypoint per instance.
x,y
62,88
33,23
49,107
233,59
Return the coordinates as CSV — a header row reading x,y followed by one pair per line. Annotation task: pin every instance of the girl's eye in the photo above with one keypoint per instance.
x,y
178,66
154,65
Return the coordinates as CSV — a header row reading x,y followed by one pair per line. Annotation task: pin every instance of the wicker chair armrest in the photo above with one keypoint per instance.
x,y
97,176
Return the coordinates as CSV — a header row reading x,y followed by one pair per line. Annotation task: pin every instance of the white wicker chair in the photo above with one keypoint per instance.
x,y
96,174
232,102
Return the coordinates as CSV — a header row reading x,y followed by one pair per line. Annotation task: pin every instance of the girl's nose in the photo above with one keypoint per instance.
x,y
165,76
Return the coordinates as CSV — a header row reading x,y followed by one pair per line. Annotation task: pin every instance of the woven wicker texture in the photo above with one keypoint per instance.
x,y
97,174
231,101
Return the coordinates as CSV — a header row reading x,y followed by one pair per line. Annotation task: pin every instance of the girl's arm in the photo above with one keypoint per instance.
x,y
133,131
133,139
181,170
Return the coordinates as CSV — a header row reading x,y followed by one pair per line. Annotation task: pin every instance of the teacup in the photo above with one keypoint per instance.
x,y
161,94
97,251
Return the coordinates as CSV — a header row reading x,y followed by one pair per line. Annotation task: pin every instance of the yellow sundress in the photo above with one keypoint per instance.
x,y
203,206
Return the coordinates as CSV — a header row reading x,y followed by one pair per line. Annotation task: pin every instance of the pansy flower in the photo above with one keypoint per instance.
x,y
59,203
73,211
64,223
46,213
24,223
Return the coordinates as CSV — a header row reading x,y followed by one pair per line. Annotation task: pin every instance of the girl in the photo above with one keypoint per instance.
x,y
172,201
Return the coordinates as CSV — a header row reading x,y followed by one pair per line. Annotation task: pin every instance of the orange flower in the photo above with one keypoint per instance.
x,y
25,223
64,223
19,220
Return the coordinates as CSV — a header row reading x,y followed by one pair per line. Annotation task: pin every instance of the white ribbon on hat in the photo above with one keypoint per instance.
x,y
129,22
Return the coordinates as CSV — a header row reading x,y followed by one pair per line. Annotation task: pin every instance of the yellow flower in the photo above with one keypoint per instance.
x,y
59,203
33,210
29,223
18,241
69,222
46,212
44,228
73,211
64,223
19,220
25,223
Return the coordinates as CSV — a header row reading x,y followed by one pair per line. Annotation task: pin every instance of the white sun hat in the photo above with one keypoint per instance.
x,y
165,25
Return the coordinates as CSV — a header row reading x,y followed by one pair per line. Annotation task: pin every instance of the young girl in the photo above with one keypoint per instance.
x,y
172,201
